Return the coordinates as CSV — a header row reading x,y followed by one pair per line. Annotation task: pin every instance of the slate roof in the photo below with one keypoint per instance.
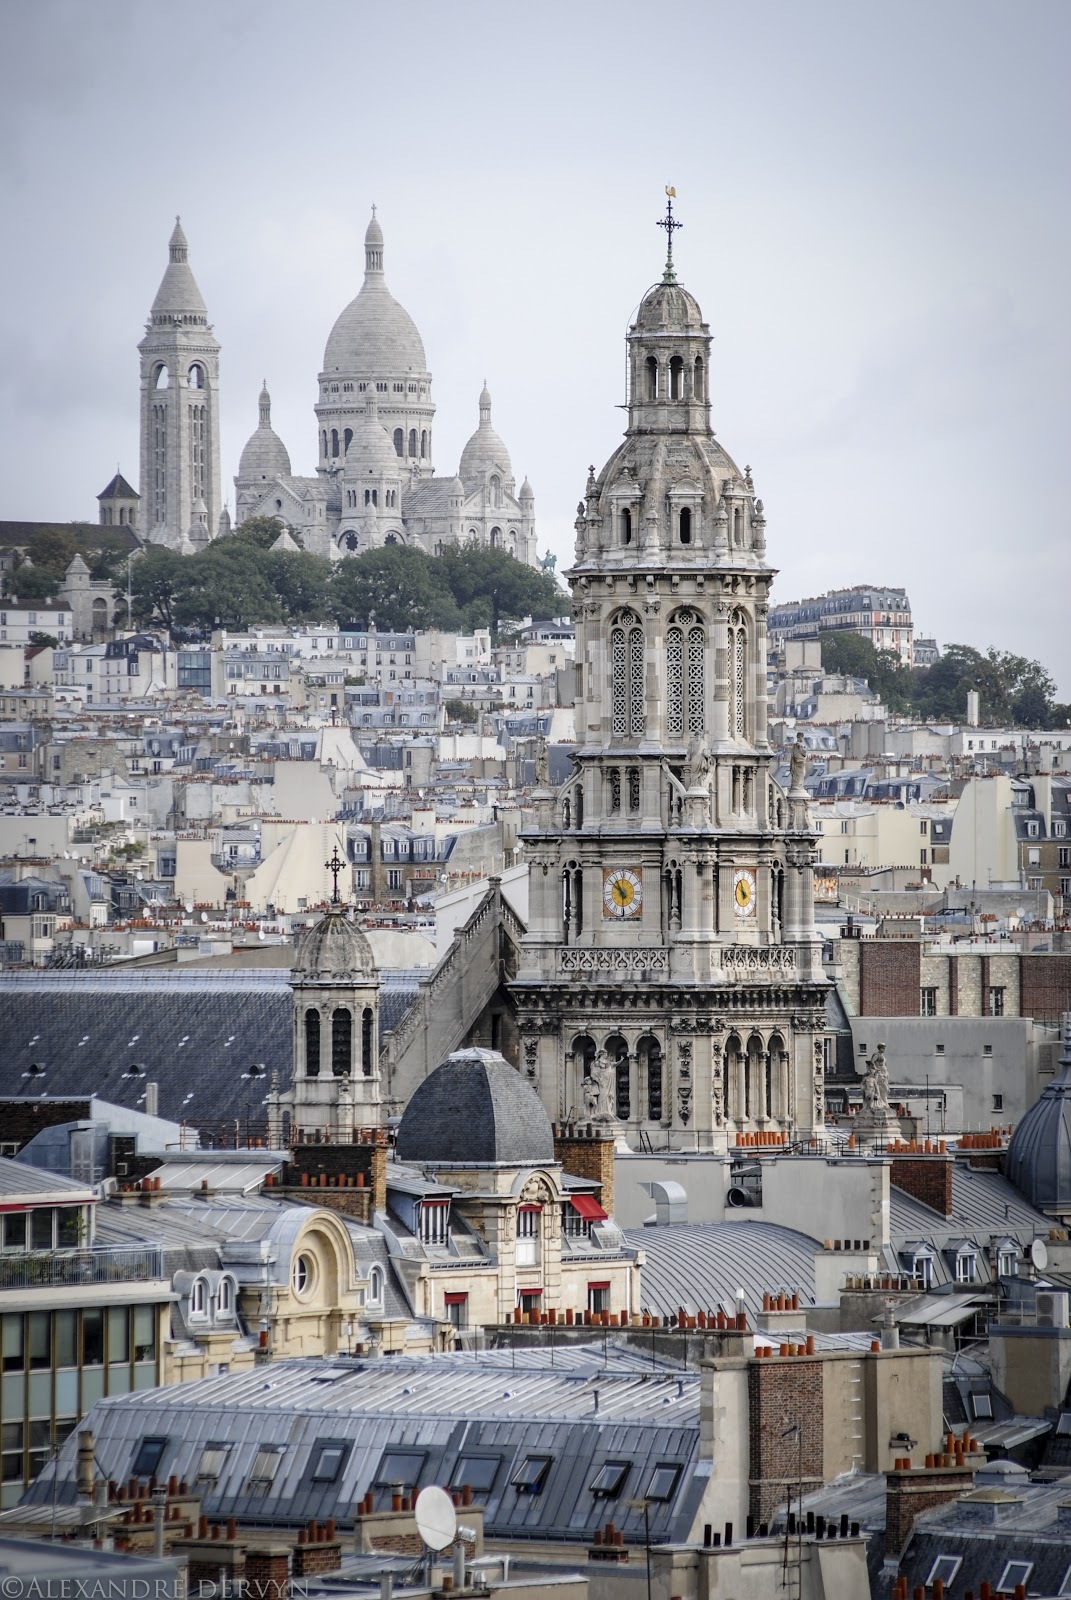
x,y
699,1266
118,489
475,1107
194,1033
1006,1518
444,1412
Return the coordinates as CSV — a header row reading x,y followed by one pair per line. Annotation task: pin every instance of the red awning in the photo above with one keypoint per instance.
x,y
455,1299
603,1283
588,1208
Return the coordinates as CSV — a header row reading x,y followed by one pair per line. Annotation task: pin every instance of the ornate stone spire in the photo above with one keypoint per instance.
x,y
373,247
177,248
265,406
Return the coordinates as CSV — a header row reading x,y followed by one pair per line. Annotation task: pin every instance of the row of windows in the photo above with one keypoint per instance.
x,y
995,1003
686,688
402,1469
195,377
341,1047
681,380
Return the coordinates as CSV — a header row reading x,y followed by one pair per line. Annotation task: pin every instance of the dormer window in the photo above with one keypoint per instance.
x,y
434,1216
966,1266
374,1294
199,1298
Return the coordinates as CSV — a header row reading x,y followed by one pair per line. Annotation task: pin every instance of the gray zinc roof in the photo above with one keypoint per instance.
x,y
475,1107
700,1266
444,1419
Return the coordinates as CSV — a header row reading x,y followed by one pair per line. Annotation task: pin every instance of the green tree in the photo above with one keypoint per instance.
x,y
228,583
157,578
302,583
262,531
399,585
461,711
491,584
44,640
848,653
35,583
52,547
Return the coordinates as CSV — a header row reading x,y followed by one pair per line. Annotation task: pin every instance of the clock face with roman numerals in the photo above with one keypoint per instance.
x,y
622,891
744,892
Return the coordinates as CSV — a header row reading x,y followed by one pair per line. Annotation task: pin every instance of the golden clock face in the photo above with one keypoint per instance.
x,y
744,892
622,892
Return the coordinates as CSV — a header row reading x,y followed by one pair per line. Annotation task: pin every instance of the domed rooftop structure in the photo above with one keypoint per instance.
x,y
333,950
178,291
475,1108
265,455
485,451
1038,1161
370,452
669,308
374,337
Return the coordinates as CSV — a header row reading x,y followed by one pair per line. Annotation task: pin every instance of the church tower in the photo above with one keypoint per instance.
x,y
671,966
180,477
336,1082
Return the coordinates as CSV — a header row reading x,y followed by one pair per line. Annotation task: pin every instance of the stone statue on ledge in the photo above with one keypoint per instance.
x,y
598,1089
875,1120
797,765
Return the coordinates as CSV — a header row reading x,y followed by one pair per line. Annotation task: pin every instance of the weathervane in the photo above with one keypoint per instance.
x,y
334,867
670,223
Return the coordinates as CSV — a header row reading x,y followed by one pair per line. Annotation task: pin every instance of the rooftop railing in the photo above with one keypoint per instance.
x,y
70,1269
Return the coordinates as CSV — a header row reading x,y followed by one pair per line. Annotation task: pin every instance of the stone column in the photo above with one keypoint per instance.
x,y
760,707
719,726
783,1104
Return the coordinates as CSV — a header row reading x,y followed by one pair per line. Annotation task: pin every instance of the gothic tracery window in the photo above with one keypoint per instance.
x,y
627,675
686,674
738,675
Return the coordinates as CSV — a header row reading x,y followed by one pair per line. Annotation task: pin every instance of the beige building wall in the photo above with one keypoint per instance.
x,y
197,881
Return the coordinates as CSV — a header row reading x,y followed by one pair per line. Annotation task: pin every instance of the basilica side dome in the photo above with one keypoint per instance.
x,y
485,451
374,336
475,1108
668,307
333,950
265,455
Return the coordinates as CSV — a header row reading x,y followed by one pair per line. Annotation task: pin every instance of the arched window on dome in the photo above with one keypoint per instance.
x,y
196,376
350,541
697,380
312,1043
652,378
626,526
412,442
399,441
341,1042
161,378
392,538
496,538
347,440
685,674
423,443
367,1039
684,524
676,378
627,675
334,441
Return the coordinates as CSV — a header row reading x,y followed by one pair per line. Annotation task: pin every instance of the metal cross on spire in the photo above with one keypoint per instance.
x,y
670,223
334,867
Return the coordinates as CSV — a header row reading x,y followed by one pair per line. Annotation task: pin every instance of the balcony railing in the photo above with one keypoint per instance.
x,y
58,1269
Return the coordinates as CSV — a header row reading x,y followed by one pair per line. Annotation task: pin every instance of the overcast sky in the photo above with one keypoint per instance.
x,y
876,223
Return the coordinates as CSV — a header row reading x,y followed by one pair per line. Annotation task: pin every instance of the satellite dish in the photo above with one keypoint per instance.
x,y
436,1518
260,933
1039,1255
204,916
187,908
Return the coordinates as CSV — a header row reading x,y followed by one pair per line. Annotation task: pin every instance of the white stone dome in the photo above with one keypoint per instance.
x,y
374,337
371,453
485,451
265,454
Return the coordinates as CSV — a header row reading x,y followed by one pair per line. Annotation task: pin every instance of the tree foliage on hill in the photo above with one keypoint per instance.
x,y
1013,690
239,581
39,573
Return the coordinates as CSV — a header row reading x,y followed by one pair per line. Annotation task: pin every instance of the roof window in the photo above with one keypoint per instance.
x,y
945,1569
265,1467
400,1466
610,1479
1014,1574
328,1462
479,1472
663,1482
531,1475
211,1464
147,1458
1063,1424
982,1407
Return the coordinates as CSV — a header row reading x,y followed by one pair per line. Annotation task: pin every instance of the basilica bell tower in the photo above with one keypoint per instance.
x,y
671,951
